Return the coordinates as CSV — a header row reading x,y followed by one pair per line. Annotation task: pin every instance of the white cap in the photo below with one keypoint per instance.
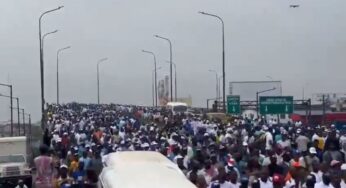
x,y
343,166
145,145
312,150
63,166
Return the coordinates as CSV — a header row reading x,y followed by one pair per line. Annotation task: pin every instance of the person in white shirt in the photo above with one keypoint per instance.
x,y
233,176
265,181
269,139
222,182
326,181
316,172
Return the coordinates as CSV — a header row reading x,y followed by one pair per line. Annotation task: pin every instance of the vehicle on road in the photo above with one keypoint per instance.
x,y
177,108
145,169
14,165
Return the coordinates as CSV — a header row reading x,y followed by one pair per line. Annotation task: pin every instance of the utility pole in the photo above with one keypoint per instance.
x,y
11,96
324,109
42,64
155,77
223,57
57,72
24,129
98,78
171,65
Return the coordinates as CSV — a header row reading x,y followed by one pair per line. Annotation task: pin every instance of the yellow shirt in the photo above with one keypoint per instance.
x,y
73,166
320,143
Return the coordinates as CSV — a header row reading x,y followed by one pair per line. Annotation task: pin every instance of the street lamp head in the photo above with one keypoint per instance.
x,y
55,31
103,59
201,12
60,7
156,35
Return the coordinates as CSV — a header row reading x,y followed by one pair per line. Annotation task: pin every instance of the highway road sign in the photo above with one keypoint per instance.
x,y
276,104
233,104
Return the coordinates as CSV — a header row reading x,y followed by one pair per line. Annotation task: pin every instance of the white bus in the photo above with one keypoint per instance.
x,y
144,169
177,107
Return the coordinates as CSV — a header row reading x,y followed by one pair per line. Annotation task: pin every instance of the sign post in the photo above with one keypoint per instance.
x,y
233,104
276,105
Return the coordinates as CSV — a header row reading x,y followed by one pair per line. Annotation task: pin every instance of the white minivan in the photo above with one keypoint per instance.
x,y
144,169
177,107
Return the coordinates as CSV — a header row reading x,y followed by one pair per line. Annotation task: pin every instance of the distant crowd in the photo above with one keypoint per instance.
x,y
237,153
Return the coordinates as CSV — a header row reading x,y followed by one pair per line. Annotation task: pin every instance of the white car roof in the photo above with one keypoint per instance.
x,y
142,169
176,104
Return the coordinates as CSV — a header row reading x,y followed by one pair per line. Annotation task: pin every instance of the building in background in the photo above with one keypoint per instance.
x,y
336,102
163,91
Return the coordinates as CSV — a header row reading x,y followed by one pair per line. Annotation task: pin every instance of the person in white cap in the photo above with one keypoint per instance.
x,y
63,176
311,157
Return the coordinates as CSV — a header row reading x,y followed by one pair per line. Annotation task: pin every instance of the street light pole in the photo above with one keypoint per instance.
x,y
259,92
219,92
171,66
217,82
30,127
57,72
98,79
44,36
24,129
42,65
155,70
175,79
223,59
23,112
11,102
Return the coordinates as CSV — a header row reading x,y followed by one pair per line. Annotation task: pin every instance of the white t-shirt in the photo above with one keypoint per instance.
x,y
343,183
285,144
318,176
315,137
77,137
236,185
321,185
269,141
268,184
57,127
226,184
289,184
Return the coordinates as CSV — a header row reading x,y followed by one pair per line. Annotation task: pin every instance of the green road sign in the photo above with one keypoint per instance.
x,y
276,105
233,104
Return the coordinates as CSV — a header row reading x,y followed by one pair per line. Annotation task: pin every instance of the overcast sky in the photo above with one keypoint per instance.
x,y
305,46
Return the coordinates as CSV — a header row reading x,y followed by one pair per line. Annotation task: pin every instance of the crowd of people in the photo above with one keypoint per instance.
x,y
212,153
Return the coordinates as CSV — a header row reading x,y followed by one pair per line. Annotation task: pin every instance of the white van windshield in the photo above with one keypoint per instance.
x,y
12,159
180,108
